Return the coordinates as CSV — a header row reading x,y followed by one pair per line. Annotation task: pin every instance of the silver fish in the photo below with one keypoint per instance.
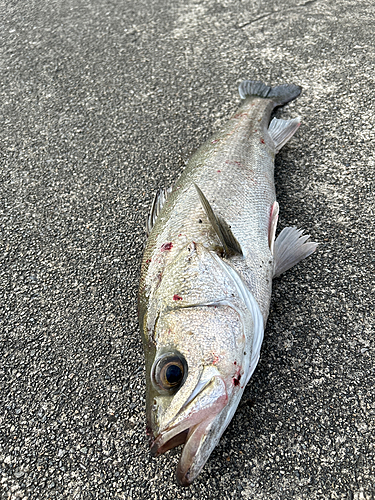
x,y
207,274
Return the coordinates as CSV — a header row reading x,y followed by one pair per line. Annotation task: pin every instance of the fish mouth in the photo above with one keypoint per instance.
x,y
191,427
191,438
160,446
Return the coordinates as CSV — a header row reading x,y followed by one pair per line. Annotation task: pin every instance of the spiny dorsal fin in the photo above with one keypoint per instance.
x,y
221,228
291,248
282,130
159,200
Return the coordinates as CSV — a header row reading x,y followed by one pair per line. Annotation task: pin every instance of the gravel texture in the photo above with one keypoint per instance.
x,y
101,103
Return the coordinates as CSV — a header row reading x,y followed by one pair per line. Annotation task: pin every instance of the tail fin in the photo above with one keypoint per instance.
x,y
280,94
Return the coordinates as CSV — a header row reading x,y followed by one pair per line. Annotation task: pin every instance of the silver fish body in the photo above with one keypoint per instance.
x,y
206,278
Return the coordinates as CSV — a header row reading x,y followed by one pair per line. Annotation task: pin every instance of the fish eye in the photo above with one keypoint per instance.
x,y
169,372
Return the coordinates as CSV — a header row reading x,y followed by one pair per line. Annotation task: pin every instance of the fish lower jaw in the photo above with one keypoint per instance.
x,y
192,461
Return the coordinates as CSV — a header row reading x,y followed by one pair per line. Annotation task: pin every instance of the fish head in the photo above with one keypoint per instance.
x,y
194,382
196,371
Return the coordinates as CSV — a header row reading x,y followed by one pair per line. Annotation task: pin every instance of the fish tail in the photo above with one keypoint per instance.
x,y
280,95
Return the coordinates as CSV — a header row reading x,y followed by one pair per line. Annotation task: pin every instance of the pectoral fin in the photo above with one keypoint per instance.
x,y
290,248
221,228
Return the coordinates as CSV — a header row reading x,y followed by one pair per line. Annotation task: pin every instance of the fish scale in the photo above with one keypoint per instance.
x,y
206,278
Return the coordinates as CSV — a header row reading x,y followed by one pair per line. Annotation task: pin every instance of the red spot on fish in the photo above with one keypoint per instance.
x,y
235,363
177,297
215,358
262,141
166,246
179,235
255,130
218,171
237,378
216,140
148,261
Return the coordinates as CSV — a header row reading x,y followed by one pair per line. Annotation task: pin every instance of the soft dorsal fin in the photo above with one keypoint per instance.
x,y
158,202
290,248
282,130
221,228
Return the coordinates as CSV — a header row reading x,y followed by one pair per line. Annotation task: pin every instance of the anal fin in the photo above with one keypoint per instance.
x,y
290,248
221,228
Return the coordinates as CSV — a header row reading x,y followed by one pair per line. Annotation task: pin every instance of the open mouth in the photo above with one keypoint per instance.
x,y
191,427
192,438
180,438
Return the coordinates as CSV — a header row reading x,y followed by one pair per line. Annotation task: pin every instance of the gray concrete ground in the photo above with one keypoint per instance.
x,y
101,103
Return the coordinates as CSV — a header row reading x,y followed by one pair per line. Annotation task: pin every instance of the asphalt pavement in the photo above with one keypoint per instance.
x,y
102,103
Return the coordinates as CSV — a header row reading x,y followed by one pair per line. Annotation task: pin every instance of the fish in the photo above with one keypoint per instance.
x,y
206,277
